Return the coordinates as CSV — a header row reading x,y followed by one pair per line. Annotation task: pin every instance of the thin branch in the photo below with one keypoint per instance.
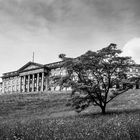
x,y
117,95
93,98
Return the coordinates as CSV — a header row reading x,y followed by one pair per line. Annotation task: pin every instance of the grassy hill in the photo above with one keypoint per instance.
x,y
39,105
44,116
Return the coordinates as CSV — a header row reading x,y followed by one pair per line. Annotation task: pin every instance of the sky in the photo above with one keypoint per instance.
x,y
51,27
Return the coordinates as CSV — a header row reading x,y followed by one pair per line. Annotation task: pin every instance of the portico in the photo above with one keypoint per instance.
x,y
32,82
33,78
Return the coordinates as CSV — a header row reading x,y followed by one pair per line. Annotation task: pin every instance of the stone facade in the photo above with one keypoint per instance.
x,y
33,77
134,71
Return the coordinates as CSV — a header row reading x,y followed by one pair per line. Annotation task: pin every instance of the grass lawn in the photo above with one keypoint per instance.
x,y
45,117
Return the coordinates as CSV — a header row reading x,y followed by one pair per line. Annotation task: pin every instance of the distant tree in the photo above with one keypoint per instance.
x,y
62,56
96,78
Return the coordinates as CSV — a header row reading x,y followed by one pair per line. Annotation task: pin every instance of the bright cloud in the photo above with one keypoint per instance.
x,y
132,48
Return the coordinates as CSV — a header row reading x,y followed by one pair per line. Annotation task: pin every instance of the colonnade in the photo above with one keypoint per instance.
x,y
33,82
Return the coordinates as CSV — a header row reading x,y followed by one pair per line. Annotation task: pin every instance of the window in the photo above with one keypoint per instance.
x,y
13,88
137,70
131,70
17,87
9,88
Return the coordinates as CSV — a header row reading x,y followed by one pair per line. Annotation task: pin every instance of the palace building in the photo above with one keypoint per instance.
x,y
33,77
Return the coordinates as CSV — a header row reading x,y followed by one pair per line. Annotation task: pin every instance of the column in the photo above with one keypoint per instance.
x,y
33,76
20,84
37,82
42,82
11,84
28,87
16,83
47,83
24,83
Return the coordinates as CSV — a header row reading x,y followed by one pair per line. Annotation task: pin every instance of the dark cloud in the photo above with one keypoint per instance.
x,y
77,18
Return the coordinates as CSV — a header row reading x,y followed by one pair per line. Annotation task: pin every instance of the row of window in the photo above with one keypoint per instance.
x,y
11,88
134,70
11,81
58,71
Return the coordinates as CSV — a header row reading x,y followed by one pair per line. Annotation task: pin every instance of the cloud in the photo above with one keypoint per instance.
x,y
132,48
77,15
65,26
74,20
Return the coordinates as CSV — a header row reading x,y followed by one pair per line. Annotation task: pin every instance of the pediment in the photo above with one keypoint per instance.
x,y
30,66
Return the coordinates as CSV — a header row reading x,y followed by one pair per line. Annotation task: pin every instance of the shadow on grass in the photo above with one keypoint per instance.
x,y
111,112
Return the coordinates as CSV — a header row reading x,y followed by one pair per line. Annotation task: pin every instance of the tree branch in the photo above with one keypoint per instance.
x,y
117,95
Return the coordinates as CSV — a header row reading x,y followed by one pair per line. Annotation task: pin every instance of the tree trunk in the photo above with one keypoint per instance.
x,y
137,85
103,108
